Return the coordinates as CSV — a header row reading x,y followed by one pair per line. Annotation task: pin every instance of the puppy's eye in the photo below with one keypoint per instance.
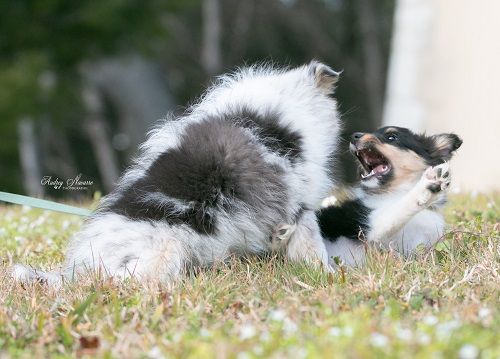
x,y
391,137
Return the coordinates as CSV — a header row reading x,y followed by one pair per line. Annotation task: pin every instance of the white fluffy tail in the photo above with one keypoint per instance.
x,y
30,275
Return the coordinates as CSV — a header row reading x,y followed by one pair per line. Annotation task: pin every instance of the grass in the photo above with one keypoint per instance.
x,y
444,303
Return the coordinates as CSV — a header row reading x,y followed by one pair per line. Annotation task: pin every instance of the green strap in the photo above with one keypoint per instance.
x,y
42,203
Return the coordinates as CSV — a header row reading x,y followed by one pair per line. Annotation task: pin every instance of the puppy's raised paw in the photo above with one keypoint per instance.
x,y
434,180
438,177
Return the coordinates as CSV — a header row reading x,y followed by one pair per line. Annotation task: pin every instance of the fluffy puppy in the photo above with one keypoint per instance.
x,y
404,177
254,153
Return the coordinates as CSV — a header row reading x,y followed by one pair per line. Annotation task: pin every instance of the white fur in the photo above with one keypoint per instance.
x,y
350,252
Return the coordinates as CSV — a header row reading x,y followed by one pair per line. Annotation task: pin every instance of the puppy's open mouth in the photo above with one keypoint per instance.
x,y
374,164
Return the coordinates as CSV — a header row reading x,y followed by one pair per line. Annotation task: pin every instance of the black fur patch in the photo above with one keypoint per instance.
x,y
345,220
216,164
272,134
424,146
434,188
127,259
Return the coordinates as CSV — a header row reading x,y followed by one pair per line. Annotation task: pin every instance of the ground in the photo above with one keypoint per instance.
x,y
443,303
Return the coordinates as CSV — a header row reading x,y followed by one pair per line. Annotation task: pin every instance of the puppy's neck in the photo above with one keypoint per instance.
x,y
385,191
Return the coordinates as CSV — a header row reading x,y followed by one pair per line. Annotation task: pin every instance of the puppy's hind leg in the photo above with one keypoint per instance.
x,y
305,242
281,235
164,263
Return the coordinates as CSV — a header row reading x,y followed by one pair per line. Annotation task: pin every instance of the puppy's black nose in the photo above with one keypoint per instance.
x,y
356,136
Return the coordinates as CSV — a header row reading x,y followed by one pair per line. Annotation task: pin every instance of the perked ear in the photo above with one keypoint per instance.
x,y
444,145
324,76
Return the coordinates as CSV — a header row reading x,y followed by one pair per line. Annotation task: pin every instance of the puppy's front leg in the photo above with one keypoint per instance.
x,y
385,222
303,241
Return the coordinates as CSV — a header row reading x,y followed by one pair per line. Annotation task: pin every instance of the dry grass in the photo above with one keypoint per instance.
x,y
444,303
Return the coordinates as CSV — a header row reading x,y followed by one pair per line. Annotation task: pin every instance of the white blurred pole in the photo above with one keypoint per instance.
x,y
412,21
443,77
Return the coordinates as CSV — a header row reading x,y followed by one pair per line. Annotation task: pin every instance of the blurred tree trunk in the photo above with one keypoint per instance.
x,y
137,90
211,48
241,27
373,62
29,158
96,129
443,77
56,151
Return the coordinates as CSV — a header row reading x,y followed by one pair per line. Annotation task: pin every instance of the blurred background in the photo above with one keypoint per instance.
x,y
81,82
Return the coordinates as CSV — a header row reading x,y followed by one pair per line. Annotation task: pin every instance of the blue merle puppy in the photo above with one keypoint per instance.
x,y
253,155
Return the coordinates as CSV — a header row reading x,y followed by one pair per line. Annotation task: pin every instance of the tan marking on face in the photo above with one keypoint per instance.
x,y
407,166
366,138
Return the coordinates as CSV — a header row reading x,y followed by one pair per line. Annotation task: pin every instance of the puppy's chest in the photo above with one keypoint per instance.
x,y
426,227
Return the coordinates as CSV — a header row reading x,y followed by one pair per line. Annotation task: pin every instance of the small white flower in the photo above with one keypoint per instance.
x,y
484,313
258,350
265,336
289,326
431,320
66,224
155,353
204,333
243,355
177,337
468,351
247,331
20,239
379,340
404,334
38,222
299,352
348,332
423,339
444,330
335,331
277,315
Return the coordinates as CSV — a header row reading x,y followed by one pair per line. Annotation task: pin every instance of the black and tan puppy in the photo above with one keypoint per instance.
x,y
403,182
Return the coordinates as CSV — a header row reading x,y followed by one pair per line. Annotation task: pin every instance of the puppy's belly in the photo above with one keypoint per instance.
x,y
351,252
425,228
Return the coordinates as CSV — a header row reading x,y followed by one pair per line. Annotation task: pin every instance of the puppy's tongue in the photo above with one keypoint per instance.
x,y
380,168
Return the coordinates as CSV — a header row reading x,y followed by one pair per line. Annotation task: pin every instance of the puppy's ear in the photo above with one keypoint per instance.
x,y
324,76
443,145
